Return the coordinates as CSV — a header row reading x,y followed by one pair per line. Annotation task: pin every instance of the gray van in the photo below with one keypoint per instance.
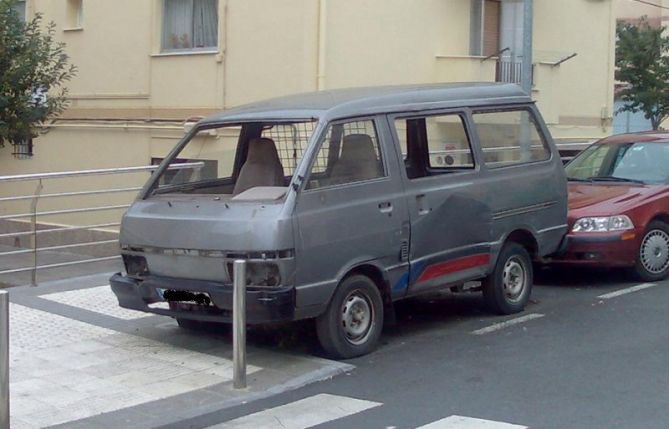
x,y
344,202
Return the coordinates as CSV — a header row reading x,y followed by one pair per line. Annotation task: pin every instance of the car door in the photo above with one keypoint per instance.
x,y
449,209
351,209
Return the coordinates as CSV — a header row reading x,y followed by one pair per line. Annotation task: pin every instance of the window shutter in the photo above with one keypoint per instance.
x,y
491,18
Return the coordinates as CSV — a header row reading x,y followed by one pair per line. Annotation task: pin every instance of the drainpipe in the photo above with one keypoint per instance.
x,y
322,43
528,17
223,56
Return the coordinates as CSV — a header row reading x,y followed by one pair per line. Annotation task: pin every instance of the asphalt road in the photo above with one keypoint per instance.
x,y
582,356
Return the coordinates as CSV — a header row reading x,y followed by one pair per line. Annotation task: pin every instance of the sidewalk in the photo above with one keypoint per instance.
x,y
77,360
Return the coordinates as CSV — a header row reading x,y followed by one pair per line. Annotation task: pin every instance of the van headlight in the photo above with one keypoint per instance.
x,y
262,274
603,224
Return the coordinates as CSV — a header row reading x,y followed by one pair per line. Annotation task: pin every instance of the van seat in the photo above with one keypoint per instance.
x,y
358,160
262,166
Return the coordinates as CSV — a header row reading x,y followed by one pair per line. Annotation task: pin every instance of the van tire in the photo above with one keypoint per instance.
x,y
341,336
658,232
507,290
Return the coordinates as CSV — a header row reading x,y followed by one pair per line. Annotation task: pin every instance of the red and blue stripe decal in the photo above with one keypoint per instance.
x,y
453,266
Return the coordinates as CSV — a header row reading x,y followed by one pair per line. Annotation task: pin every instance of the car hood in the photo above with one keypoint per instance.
x,y
596,199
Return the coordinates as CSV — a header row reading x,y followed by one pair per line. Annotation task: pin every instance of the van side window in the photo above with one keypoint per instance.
x,y
434,145
349,153
510,138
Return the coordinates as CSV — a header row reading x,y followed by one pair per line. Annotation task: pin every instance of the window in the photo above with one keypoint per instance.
x,y
434,145
23,149
190,25
589,162
509,138
349,153
229,159
75,13
646,162
208,170
20,8
485,27
291,141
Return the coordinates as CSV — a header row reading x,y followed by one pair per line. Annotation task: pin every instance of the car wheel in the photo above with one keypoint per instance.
x,y
351,325
652,262
507,290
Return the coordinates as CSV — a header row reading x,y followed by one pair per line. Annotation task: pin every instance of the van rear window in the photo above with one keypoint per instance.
x,y
509,138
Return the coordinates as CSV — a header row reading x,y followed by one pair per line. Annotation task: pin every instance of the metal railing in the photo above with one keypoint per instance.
x,y
510,71
33,233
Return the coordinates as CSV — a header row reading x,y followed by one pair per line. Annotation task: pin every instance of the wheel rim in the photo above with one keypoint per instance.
x,y
654,251
357,317
514,279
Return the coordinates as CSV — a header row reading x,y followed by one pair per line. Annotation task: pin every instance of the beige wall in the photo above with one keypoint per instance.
x,y
270,48
631,10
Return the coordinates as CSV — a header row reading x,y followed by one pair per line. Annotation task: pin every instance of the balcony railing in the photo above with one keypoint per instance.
x,y
510,71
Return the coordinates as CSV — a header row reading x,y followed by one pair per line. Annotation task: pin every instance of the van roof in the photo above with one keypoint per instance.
x,y
341,103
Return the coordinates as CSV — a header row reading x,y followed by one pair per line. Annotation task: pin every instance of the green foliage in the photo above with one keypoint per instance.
x,y
32,65
643,64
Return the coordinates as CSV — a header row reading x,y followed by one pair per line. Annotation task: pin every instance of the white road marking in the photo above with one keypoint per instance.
x,y
506,324
627,290
302,414
99,299
459,422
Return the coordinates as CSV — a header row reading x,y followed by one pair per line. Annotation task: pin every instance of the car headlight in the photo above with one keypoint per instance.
x,y
603,224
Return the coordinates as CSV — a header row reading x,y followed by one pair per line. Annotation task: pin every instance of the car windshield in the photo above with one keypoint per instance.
x,y
644,162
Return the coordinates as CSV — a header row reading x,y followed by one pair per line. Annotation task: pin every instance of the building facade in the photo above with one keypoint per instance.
x,y
149,67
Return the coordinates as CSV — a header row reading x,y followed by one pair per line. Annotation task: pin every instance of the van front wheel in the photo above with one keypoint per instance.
x,y
351,325
507,290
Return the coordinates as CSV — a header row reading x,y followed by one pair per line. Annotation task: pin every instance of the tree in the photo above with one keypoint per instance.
x,y
643,65
33,70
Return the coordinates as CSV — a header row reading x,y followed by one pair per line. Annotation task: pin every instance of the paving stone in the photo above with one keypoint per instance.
x,y
124,373
99,299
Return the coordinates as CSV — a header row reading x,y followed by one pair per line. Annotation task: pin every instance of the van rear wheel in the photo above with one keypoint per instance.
x,y
507,290
351,325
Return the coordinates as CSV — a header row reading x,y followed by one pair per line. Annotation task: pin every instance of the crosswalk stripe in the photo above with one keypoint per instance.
x,y
302,414
460,422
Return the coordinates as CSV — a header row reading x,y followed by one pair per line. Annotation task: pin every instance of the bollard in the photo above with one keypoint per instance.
x,y
4,359
239,324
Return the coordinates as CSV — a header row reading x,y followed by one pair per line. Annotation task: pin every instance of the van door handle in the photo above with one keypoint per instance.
x,y
422,205
386,207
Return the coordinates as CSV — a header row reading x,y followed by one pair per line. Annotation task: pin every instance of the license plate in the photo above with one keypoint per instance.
x,y
190,297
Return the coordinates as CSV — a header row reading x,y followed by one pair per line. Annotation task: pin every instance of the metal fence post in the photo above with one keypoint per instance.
x,y
33,226
4,359
239,324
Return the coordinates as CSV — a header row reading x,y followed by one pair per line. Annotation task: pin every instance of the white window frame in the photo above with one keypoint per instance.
x,y
170,51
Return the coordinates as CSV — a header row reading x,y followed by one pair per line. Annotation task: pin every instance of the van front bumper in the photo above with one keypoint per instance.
x,y
267,305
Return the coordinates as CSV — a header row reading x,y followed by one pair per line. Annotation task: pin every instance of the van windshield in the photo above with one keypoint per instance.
x,y
267,155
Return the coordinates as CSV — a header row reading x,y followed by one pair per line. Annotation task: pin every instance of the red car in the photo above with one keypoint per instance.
x,y
619,205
